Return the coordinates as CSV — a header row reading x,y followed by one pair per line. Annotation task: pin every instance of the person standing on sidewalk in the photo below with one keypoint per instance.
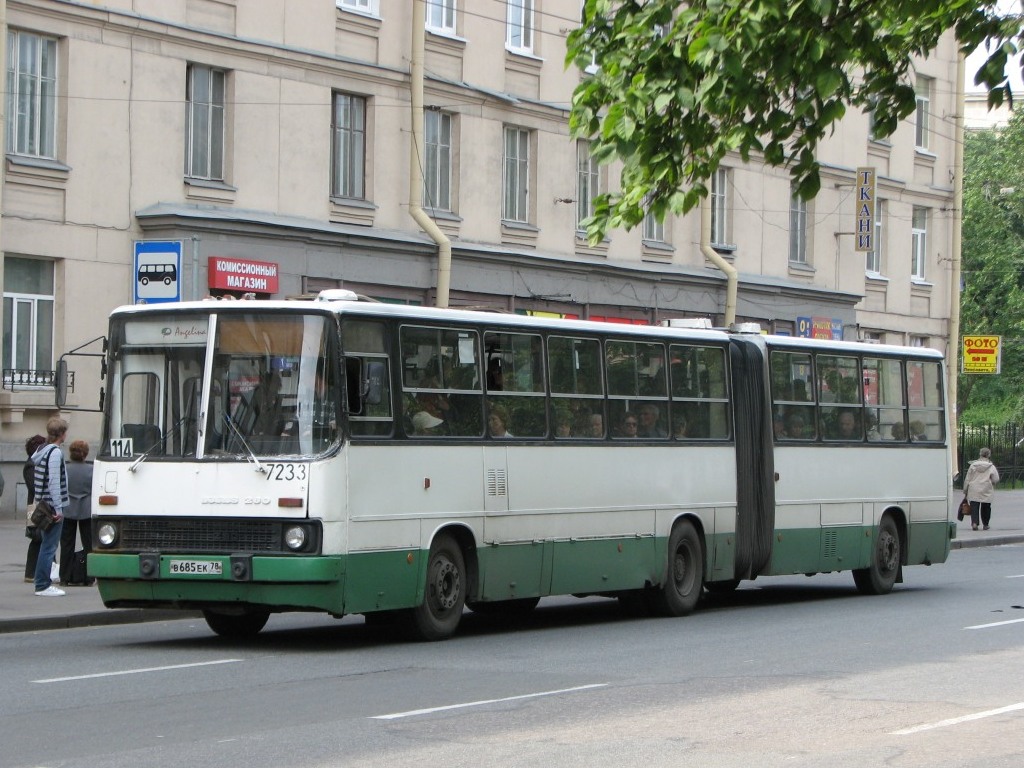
x,y
51,482
982,476
77,518
28,473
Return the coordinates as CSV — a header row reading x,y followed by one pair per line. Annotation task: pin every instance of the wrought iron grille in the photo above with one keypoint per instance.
x,y
29,378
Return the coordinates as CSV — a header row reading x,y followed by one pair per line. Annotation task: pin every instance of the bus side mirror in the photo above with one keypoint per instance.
x,y
373,385
60,383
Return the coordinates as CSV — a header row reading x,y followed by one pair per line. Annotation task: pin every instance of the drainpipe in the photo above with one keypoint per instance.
x,y
416,154
953,350
732,279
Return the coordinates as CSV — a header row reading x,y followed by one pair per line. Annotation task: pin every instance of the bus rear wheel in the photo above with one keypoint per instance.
x,y
684,578
879,577
237,626
444,594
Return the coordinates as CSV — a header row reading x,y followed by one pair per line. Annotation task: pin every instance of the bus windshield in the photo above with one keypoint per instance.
x,y
272,390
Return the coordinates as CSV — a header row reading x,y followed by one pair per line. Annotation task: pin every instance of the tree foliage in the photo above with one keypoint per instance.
x,y
680,84
992,300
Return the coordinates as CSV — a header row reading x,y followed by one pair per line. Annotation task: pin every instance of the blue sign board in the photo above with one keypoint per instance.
x,y
157,272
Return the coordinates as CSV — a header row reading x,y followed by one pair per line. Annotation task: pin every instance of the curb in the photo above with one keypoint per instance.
x,y
991,541
94,619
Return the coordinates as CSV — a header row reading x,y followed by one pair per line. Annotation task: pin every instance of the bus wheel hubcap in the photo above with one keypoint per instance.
x,y
446,584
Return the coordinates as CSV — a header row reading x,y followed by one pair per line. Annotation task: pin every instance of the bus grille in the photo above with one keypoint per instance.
x,y
201,535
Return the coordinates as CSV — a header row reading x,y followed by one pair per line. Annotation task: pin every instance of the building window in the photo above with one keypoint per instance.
x,y
31,94
519,34
797,228
919,341
437,174
348,146
363,6
588,181
919,242
654,228
441,16
874,257
922,127
719,207
204,133
28,314
516,174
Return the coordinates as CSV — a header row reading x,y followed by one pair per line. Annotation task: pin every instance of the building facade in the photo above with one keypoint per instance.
x,y
161,149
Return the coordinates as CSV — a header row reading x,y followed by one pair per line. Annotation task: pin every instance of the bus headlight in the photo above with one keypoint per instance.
x,y
295,538
107,534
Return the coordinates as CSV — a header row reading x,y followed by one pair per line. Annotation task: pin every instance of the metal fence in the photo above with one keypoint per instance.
x,y
1007,444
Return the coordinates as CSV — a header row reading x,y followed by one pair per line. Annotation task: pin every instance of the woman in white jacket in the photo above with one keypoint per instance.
x,y
982,475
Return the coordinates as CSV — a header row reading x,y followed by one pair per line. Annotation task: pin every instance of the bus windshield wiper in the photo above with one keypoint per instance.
x,y
159,443
245,444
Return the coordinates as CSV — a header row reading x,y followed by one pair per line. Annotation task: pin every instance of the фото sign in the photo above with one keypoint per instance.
x,y
981,354
231,274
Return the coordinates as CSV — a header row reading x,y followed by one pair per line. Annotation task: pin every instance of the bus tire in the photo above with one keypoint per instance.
x,y
444,593
144,280
878,578
236,626
684,576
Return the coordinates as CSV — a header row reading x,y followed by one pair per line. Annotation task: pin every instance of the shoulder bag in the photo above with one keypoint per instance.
x,y
43,516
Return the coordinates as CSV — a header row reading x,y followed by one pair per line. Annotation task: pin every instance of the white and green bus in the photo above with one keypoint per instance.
x,y
404,463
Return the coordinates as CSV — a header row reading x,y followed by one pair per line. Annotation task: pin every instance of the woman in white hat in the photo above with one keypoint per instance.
x,y
424,423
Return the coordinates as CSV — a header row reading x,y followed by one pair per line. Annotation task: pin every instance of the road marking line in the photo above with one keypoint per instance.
x,y
1016,576
136,671
996,624
430,710
958,720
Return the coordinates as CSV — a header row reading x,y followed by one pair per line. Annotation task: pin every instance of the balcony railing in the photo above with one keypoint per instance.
x,y
27,378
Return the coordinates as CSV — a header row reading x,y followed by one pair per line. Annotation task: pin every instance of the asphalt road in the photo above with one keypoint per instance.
x,y
786,672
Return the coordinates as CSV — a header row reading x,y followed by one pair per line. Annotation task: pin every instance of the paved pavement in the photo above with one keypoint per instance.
x,y
22,611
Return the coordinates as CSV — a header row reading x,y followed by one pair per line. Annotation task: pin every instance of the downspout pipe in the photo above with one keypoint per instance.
x,y
731,275
416,155
955,247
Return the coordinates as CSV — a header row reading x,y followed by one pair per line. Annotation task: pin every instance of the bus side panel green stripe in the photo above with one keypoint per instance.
x,y
928,542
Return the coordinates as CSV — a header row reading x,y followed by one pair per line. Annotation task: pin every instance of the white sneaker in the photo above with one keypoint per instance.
x,y
51,591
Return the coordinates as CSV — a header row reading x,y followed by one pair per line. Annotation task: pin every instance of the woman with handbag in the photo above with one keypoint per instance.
x,y
982,475
28,473
51,486
78,515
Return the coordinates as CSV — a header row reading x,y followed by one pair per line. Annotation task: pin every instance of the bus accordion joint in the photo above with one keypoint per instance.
x,y
290,501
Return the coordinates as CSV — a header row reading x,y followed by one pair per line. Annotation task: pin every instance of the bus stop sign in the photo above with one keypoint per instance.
x,y
157,272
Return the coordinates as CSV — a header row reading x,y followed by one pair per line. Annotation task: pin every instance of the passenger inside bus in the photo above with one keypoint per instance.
x,y
650,421
425,423
629,426
497,422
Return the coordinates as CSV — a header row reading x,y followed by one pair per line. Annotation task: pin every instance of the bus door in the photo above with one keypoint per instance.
x,y
755,466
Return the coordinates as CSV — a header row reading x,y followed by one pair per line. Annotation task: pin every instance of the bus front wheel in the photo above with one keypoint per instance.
x,y
237,626
444,595
684,579
878,578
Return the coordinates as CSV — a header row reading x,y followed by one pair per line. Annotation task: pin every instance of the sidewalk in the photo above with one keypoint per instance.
x,y
22,611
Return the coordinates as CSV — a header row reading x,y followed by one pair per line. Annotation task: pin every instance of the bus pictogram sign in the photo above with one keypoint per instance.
x,y
981,354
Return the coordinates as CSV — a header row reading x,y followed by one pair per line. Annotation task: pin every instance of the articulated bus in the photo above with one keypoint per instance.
x,y
406,463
